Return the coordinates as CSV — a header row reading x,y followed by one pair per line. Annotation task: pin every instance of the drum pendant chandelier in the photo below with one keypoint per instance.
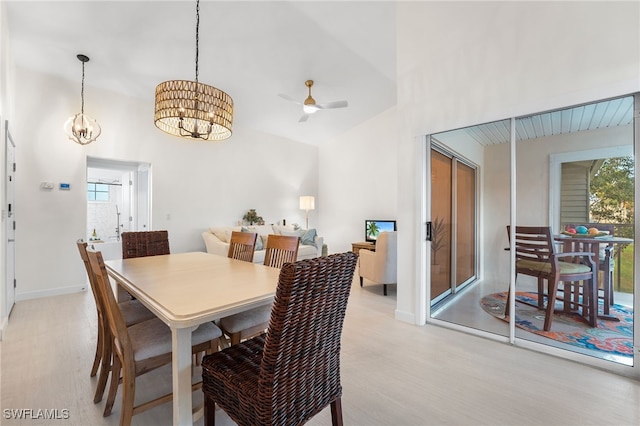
x,y
191,109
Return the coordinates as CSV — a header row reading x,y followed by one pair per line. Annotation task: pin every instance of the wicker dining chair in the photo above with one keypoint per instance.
x,y
242,245
243,325
140,348
133,312
145,243
291,373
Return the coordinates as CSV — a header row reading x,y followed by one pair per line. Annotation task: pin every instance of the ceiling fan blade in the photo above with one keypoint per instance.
x,y
331,105
289,98
304,118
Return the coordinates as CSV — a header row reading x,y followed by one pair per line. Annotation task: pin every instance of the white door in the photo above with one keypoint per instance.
x,y
10,248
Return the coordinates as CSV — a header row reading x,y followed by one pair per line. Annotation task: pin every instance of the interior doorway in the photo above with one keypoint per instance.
x,y
118,200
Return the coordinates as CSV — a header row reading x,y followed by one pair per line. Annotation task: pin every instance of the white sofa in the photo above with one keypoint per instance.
x,y
216,240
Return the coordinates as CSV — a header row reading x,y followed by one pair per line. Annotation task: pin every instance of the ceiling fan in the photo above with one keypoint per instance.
x,y
309,106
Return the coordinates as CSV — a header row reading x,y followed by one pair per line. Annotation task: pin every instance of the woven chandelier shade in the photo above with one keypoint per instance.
x,y
194,110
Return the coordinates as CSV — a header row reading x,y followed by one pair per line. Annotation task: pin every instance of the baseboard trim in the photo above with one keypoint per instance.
x,y
405,316
3,327
49,292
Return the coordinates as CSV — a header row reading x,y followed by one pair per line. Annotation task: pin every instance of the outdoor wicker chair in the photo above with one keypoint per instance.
x,y
292,372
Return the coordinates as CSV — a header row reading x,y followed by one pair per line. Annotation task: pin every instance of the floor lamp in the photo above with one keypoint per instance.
x,y
307,202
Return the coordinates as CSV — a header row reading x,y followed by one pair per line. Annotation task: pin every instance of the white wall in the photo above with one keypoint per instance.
x,y
195,184
358,181
465,63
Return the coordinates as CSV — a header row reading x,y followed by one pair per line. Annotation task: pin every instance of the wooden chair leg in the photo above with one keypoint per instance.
x,y
209,412
105,367
234,338
336,412
113,387
361,281
99,350
384,289
548,317
128,396
541,293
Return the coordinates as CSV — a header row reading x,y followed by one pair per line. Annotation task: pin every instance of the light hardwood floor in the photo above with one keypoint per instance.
x,y
393,373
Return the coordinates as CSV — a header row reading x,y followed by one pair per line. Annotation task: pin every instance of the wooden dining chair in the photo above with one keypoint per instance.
x,y
536,256
279,250
606,262
140,348
133,312
293,372
242,245
145,243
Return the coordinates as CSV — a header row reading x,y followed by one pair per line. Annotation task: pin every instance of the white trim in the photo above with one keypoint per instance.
x,y
49,292
512,233
3,327
406,317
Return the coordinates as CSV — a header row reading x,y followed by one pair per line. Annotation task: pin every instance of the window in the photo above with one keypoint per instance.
x,y
97,192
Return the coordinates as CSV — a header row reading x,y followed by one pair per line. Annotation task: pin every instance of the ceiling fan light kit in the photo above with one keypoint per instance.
x,y
81,128
191,109
309,106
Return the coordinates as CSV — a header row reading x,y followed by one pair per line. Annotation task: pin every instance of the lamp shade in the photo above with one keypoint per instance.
x,y
307,202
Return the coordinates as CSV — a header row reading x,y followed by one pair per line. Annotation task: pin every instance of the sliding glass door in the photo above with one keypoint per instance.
x,y
570,169
453,224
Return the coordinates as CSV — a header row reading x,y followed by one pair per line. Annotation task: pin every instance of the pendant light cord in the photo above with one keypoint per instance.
x,y
82,92
197,35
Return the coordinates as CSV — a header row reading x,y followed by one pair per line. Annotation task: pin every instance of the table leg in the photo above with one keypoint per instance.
x,y
181,369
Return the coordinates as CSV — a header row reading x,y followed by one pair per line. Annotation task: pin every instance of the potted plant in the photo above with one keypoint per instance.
x,y
439,237
252,217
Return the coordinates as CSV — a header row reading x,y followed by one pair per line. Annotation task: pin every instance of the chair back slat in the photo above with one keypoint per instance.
x,y
302,346
242,245
534,246
281,249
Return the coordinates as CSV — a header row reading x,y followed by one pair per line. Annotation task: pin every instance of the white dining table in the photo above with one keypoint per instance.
x,y
188,289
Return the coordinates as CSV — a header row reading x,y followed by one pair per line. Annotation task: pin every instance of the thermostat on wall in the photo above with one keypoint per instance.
x,y
65,186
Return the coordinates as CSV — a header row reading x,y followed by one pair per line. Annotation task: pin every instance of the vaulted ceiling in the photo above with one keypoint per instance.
x,y
253,50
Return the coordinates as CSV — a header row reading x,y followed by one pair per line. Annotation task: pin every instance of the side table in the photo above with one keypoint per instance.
x,y
364,245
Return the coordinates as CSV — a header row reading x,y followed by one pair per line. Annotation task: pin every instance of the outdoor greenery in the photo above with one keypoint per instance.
x,y
611,194
625,263
612,201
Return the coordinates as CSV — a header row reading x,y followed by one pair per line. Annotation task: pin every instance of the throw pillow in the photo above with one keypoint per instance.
x,y
308,238
258,245
297,233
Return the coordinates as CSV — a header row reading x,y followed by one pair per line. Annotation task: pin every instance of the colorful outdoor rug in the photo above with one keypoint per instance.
x,y
612,337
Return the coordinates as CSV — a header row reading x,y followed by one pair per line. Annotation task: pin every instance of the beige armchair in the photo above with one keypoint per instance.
x,y
380,266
